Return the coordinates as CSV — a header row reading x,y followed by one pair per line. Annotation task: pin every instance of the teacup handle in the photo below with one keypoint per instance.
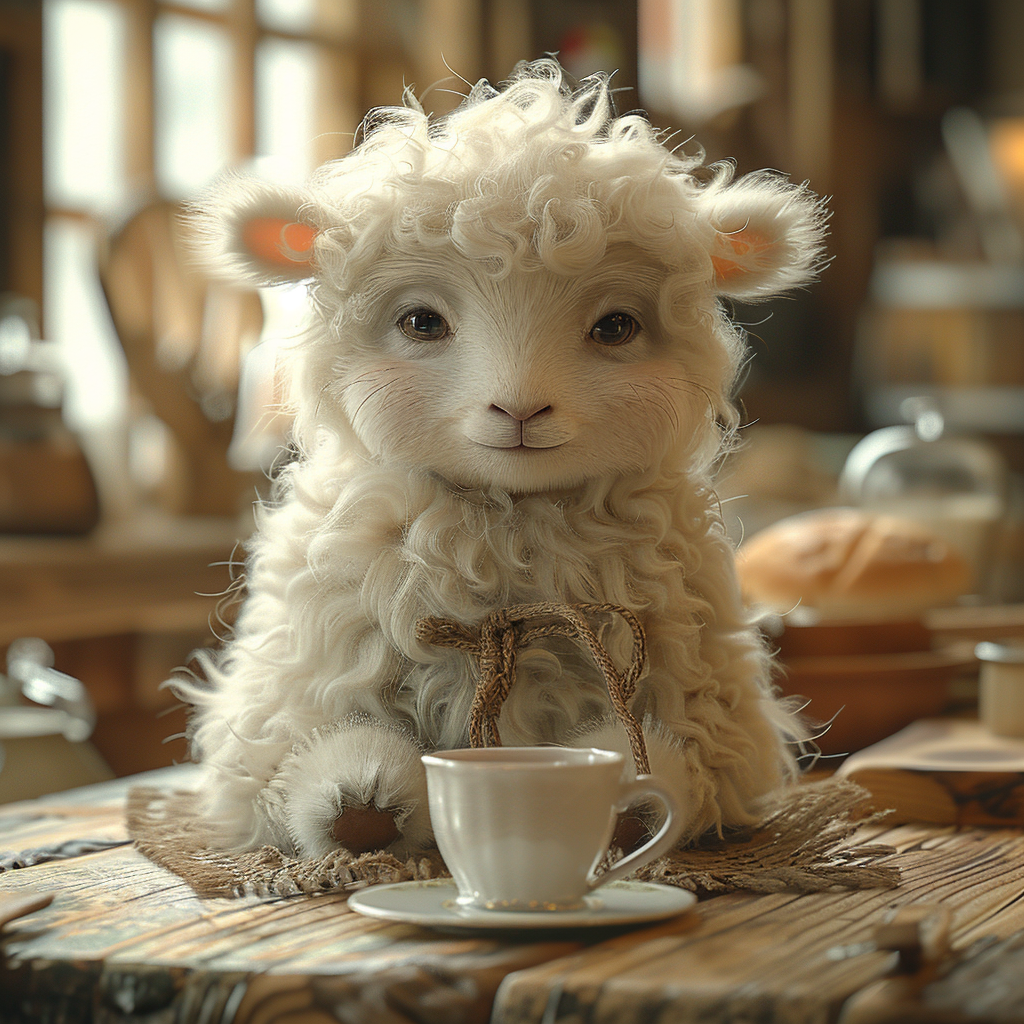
x,y
663,840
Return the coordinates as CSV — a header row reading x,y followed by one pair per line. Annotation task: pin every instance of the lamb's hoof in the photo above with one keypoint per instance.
x,y
630,833
362,829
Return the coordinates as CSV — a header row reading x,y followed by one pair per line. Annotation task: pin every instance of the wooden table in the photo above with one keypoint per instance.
x,y
123,941
121,608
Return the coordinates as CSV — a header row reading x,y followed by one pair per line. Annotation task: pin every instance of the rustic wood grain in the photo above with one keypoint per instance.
x,y
944,771
946,798
13,906
768,958
124,940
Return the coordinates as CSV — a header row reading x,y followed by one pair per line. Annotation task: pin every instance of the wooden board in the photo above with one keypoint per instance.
x,y
980,622
778,958
124,935
946,772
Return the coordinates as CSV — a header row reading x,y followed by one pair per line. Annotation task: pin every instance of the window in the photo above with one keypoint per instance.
x,y
146,100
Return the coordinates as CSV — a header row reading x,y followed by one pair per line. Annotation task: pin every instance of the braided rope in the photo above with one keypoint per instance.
x,y
501,634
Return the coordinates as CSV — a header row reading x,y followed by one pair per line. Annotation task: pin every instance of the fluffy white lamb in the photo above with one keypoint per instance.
x,y
516,390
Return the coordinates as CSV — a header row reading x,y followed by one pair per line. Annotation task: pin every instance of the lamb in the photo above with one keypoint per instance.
x,y
516,389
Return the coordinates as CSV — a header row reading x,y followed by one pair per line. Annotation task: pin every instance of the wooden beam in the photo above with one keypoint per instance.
x,y
21,40
244,40
810,91
139,139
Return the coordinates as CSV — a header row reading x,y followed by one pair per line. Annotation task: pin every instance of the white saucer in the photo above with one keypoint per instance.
x,y
432,904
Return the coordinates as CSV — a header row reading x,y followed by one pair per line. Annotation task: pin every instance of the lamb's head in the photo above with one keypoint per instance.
x,y
523,294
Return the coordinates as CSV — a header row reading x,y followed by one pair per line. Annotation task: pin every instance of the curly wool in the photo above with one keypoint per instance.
x,y
352,601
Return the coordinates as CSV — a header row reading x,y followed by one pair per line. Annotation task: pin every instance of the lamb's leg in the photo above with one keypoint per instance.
x,y
357,784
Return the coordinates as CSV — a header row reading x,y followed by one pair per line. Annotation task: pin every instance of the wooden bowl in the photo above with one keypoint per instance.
x,y
796,639
868,697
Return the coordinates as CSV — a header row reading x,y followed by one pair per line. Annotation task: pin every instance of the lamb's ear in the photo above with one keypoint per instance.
x,y
253,230
767,235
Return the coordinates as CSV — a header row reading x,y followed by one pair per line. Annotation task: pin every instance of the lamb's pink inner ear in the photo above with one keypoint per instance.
x,y
274,239
738,253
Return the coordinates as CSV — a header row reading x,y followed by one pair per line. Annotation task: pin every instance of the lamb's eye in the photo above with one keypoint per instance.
x,y
615,329
424,325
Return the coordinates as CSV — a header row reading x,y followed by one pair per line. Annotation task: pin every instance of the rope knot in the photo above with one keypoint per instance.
x,y
501,634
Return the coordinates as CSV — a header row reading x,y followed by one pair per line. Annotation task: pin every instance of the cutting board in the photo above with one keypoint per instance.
x,y
943,772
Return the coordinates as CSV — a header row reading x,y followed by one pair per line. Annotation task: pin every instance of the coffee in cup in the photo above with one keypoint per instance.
x,y
525,828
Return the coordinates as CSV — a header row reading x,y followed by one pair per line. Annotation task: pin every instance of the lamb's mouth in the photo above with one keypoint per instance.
x,y
522,447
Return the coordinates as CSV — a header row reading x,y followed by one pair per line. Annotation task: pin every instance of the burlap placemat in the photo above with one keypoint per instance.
x,y
804,842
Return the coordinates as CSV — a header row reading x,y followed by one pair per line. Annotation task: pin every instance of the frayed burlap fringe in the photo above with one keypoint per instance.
x,y
804,842
168,829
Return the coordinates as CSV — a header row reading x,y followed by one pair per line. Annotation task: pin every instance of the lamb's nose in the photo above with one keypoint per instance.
x,y
521,413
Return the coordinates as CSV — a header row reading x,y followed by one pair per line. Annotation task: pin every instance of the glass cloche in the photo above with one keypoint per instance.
x,y
955,485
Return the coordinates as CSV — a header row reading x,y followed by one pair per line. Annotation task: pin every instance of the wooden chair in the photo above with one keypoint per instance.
x,y
184,335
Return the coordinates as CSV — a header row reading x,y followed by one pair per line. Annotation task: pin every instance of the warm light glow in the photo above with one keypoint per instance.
x,y
193,66
1007,140
690,58
285,105
83,91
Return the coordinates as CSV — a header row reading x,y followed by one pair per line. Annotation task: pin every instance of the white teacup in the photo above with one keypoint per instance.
x,y
524,828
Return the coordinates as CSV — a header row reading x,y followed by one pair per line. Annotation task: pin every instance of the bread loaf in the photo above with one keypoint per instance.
x,y
847,563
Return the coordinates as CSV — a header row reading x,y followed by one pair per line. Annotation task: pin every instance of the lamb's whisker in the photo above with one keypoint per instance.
x,y
686,383
375,391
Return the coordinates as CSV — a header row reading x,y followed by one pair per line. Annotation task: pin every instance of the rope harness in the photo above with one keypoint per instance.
x,y
498,638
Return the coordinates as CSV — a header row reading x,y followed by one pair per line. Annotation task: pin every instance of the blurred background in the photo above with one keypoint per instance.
x,y
137,419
